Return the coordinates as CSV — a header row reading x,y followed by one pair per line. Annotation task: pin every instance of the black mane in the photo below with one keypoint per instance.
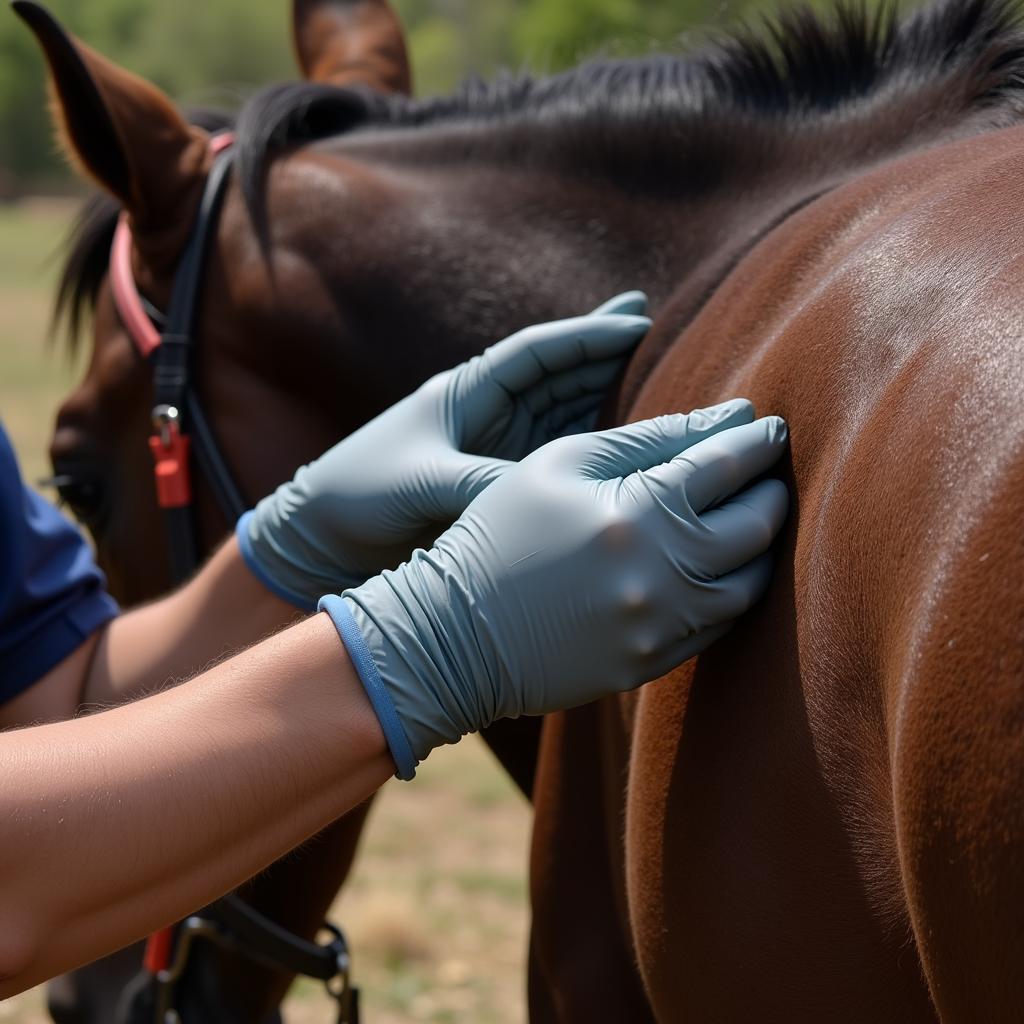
x,y
794,69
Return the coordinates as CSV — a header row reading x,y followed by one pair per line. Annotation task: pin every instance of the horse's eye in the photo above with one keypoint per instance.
x,y
80,493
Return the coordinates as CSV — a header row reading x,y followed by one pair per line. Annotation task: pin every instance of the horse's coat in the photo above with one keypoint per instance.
x,y
823,815
819,819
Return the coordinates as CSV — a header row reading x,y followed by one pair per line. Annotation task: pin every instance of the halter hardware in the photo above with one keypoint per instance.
x,y
170,449
332,965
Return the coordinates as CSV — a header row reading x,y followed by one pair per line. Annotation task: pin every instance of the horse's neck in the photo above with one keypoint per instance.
x,y
534,223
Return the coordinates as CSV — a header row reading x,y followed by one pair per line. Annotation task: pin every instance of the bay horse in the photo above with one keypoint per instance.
x,y
820,818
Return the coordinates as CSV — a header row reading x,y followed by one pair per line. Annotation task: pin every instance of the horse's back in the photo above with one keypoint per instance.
x,y
822,815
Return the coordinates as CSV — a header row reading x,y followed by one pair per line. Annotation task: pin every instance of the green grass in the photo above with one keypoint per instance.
x,y
31,234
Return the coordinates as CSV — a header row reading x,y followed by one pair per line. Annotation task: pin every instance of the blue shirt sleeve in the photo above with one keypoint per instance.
x,y
52,594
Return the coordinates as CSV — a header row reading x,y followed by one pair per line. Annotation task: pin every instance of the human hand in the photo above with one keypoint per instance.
x,y
600,562
403,477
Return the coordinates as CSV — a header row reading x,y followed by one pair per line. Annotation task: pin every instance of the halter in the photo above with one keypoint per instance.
x,y
168,343
178,416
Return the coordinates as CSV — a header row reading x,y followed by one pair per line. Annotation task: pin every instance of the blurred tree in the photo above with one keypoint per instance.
x,y
216,52
210,53
25,134
557,35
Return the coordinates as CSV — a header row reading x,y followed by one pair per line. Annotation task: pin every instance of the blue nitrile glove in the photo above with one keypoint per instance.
x,y
405,476
598,563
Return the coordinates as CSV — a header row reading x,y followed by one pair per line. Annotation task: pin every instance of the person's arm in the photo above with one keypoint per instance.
x,y
596,564
360,508
222,610
117,823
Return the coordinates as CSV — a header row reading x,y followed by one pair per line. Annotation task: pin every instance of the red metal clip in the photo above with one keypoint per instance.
x,y
170,453
158,951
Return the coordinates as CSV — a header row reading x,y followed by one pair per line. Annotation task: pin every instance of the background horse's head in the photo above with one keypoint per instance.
x,y
266,312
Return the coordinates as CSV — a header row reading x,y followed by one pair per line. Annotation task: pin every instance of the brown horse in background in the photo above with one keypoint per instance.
x,y
820,818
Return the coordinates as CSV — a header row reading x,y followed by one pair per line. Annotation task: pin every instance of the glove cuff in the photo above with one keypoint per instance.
x,y
366,669
245,545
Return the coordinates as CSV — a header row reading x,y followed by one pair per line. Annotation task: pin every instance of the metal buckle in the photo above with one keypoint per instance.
x,y
339,986
170,449
191,928
166,423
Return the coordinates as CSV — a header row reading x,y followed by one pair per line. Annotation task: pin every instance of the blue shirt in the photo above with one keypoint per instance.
x,y
52,594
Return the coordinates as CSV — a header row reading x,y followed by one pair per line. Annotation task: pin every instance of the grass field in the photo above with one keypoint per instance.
x,y
436,911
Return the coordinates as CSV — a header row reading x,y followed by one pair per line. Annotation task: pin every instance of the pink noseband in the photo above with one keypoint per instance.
x,y
122,281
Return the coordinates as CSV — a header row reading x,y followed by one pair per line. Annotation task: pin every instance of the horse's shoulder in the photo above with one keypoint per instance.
x,y
873,700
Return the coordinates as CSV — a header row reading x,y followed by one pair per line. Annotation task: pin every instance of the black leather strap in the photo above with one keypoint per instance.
x,y
172,360
263,940
174,384
237,925
211,461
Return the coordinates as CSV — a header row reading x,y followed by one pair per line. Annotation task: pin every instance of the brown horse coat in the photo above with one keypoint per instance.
x,y
823,816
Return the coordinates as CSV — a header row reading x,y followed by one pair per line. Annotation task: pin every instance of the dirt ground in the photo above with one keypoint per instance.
x,y
436,910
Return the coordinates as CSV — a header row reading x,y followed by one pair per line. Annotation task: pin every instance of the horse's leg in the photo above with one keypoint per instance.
x,y
582,965
959,767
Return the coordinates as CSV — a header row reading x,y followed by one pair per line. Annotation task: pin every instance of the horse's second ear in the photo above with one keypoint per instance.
x,y
125,133
351,42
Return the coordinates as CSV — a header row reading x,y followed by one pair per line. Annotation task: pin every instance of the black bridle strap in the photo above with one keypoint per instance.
x,y
276,947
179,420
211,462
172,361
177,411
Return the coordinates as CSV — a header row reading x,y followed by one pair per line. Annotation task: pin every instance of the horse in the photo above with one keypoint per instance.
x,y
819,818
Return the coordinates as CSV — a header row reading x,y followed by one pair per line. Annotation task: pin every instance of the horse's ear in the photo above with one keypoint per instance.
x,y
119,129
351,42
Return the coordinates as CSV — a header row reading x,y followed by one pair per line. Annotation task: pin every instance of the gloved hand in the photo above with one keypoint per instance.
x,y
600,562
405,476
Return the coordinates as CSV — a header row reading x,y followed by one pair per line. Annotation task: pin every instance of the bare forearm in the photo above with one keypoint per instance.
x,y
118,823
222,611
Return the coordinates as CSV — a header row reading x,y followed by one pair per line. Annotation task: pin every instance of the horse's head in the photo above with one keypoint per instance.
x,y
366,243
276,336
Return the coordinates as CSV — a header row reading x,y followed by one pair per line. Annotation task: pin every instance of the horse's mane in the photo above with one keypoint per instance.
x,y
797,68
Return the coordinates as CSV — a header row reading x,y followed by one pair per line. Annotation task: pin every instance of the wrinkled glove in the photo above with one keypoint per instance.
x,y
600,562
405,476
